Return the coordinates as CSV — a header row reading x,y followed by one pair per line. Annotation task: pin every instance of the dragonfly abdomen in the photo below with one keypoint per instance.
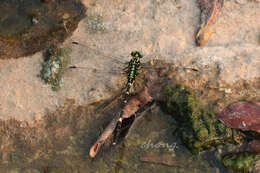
x,y
133,67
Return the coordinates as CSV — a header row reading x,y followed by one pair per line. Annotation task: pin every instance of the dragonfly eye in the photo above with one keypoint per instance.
x,y
133,53
136,54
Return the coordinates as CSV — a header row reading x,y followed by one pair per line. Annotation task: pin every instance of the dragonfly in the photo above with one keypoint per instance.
x,y
130,69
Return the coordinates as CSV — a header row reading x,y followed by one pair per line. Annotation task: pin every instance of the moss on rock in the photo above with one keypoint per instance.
x,y
180,102
54,66
199,128
242,162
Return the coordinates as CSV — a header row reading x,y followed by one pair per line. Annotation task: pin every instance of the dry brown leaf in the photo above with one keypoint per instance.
x,y
131,108
210,10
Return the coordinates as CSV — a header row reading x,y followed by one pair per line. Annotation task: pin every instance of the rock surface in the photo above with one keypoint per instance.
x,y
254,146
29,26
228,67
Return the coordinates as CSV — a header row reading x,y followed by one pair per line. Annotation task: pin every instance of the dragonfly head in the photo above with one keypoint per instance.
x,y
136,54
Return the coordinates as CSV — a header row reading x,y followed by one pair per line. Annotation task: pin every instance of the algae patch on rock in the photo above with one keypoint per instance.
x,y
95,24
29,26
199,128
54,66
180,101
243,162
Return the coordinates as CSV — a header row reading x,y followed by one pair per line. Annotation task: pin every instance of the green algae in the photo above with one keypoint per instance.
x,y
54,66
95,24
180,101
242,162
199,128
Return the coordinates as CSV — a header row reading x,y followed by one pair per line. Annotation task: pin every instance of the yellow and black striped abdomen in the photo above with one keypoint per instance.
x,y
133,66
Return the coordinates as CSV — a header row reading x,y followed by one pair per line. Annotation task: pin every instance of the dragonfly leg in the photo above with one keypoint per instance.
x,y
117,130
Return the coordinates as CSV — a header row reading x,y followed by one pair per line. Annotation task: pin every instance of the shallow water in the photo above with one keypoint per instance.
x,y
61,142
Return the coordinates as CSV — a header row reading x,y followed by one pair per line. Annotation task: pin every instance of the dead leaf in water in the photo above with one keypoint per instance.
x,y
210,10
134,106
242,115
165,159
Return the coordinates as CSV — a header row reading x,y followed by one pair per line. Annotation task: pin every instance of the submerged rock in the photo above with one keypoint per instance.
x,y
29,26
165,159
254,146
242,162
199,128
54,66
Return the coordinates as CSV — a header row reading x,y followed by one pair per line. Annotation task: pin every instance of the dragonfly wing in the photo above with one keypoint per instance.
x,y
98,51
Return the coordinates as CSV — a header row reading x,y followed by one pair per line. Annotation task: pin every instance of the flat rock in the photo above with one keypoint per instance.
x,y
162,30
